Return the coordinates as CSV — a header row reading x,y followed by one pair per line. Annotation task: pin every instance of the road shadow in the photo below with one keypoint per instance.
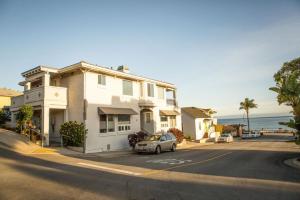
x,y
41,179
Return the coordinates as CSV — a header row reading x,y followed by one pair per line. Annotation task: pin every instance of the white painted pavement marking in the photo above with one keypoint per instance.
x,y
170,161
110,169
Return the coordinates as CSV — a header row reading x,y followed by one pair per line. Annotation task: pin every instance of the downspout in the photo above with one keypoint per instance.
x,y
84,108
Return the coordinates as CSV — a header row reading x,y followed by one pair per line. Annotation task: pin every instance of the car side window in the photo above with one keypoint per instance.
x,y
168,137
163,138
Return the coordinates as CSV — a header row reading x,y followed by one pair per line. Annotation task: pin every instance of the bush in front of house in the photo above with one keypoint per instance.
x,y
177,133
136,137
24,117
4,117
73,133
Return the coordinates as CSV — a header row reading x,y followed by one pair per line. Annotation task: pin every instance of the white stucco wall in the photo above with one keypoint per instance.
x,y
188,125
199,132
110,95
75,86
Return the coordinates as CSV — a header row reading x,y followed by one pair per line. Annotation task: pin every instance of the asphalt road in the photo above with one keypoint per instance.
x,y
251,169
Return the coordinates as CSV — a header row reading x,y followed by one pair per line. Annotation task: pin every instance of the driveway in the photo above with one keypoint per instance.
x,y
251,169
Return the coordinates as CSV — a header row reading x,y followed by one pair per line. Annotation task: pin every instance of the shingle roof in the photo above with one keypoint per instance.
x,y
9,92
196,112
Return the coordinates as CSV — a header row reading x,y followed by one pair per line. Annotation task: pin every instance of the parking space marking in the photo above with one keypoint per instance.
x,y
110,169
188,164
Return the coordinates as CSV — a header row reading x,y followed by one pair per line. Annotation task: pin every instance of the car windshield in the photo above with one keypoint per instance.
x,y
153,138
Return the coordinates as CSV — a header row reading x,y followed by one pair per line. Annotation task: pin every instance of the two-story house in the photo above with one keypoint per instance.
x,y
111,103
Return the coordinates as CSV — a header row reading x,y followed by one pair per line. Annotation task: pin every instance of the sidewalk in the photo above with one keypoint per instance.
x,y
21,144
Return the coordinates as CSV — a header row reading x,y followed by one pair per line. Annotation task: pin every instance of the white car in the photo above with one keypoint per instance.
x,y
225,137
252,134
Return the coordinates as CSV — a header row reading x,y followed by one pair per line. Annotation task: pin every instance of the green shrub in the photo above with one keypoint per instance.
x,y
177,133
73,133
24,117
4,117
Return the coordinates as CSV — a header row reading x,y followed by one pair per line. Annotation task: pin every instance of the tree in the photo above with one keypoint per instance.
x,y
288,90
24,116
246,105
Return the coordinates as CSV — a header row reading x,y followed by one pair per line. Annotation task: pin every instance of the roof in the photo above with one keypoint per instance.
x,y
116,111
9,92
196,112
168,112
92,67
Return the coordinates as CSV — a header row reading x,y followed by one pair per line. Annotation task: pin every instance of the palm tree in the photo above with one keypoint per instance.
x,y
246,105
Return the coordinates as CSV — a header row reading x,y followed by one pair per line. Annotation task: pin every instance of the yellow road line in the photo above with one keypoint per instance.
x,y
188,164
43,151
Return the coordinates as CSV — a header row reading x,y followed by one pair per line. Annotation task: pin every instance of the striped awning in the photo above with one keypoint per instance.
x,y
168,112
116,111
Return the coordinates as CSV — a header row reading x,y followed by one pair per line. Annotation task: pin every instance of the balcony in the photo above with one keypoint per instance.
x,y
143,102
171,102
50,95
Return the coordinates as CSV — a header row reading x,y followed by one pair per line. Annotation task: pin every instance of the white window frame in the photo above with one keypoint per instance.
x,y
123,88
107,128
101,80
124,126
149,86
164,124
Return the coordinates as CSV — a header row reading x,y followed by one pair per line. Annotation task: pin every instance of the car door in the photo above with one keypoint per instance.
x,y
170,142
163,142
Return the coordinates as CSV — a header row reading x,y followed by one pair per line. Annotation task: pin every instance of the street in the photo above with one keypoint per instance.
x,y
248,169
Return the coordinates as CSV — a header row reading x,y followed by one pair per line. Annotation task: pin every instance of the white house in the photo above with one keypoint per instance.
x,y
111,103
197,123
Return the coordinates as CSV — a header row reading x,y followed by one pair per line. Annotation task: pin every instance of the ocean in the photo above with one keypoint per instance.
x,y
258,123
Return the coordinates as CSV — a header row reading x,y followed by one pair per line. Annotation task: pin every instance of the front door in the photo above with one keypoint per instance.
x,y
147,123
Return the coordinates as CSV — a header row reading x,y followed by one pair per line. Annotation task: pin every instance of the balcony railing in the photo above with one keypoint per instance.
x,y
147,102
48,94
171,102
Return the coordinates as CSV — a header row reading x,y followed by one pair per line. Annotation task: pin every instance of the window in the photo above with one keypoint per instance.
x,y
163,138
127,88
124,123
161,92
150,88
168,137
107,123
103,124
164,121
163,118
148,117
110,123
101,79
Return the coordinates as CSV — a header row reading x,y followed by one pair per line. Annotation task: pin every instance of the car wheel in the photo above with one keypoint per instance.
x,y
157,150
173,148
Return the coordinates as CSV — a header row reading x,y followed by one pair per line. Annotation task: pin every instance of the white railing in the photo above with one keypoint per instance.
x,y
48,94
171,102
147,102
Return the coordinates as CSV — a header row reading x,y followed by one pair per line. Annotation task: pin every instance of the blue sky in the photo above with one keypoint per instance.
x,y
216,52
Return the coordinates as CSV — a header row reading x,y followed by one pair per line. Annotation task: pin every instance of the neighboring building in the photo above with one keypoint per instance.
x,y
6,95
111,103
197,123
